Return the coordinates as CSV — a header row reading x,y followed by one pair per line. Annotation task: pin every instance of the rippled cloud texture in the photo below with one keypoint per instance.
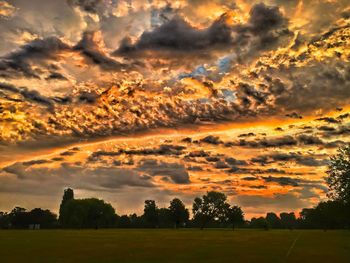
x,y
252,94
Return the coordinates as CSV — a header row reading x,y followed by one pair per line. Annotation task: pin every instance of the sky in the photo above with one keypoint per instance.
x,y
130,100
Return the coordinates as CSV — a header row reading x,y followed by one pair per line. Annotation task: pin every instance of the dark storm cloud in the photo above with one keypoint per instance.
x,y
264,28
91,6
287,157
100,178
39,50
283,181
56,76
177,34
90,49
164,149
210,139
294,115
175,171
250,134
289,141
263,19
329,120
272,142
31,95
318,83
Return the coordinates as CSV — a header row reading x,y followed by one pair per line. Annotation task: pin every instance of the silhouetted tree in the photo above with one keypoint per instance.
x,y
288,220
88,213
19,218
326,215
211,207
164,217
178,212
44,218
4,220
259,223
235,216
124,222
68,195
150,213
273,220
338,179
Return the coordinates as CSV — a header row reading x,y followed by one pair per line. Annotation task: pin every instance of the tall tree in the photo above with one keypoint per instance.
x,y
150,213
235,216
338,179
68,195
88,213
288,220
211,207
178,212
273,220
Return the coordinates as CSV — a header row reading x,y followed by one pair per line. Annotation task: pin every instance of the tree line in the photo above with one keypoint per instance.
x,y
211,210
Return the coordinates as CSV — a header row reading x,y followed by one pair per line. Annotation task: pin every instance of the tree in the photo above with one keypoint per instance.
x,y
211,207
235,216
150,213
259,223
273,220
164,218
124,221
338,179
68,195
4,220
326,215
178,212
19,218
88,213
288,220
44,218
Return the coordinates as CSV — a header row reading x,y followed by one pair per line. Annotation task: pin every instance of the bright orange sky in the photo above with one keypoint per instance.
x,y
132,100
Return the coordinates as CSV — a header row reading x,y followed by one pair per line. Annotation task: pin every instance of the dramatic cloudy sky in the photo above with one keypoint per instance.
x,y
129,100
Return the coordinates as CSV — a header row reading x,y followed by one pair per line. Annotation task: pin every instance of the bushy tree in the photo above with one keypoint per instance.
x,y
44,218
338,179
288,220
211,207
259,222
235,216
68,195
178,212
150,214
273,220
326,215
4,220
88,213
164,218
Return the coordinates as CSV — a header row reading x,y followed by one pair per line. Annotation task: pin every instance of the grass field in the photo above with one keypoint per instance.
x,y
101,246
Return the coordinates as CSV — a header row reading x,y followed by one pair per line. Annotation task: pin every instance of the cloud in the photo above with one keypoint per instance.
x,y
178,35
287,157
19,62
90,6
264,28
91,46
31,95
276,202
6,9
175,171
99,178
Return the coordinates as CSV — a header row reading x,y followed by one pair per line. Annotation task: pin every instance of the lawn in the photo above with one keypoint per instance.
x,y
100,246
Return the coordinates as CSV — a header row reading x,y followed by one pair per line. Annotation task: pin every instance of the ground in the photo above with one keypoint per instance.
x,y
119,246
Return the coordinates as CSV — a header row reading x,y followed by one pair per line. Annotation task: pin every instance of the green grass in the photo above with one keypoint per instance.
x,y
102,246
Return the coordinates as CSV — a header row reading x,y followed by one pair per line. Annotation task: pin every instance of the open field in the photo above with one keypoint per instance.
x,y
101,246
